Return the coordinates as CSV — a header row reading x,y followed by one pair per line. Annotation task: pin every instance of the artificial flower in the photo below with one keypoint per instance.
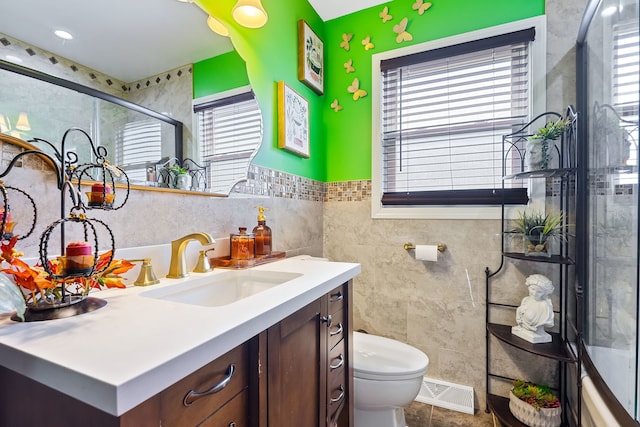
x,y
36,283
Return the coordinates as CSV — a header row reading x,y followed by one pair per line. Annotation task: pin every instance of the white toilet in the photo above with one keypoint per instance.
x,y
387,377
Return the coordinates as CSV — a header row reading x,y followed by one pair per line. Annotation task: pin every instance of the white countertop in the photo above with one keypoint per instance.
x,y
120,355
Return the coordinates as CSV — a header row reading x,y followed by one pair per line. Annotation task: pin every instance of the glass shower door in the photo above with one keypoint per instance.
x,y
611,291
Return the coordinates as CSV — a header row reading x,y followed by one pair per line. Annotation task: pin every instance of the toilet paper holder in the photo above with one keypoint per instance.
x,y
441,246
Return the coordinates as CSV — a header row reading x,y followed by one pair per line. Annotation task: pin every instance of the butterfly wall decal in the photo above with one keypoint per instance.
x,y
346,38
384,15
366,42
336,106
349,66
355,90
401,30
421,6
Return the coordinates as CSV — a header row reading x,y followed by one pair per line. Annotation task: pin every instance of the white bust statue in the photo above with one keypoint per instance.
x,y
535,311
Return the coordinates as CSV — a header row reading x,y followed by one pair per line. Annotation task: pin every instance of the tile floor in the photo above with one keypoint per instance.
x,y
422,415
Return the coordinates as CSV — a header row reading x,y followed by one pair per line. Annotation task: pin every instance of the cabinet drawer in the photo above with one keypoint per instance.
x,y
336,329
181,407
233,414
336,299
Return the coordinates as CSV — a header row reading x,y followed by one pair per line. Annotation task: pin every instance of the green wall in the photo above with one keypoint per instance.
x,y
340,143
219,74
270,53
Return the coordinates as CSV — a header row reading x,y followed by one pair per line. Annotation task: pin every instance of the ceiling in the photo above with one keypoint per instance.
x,y
132,39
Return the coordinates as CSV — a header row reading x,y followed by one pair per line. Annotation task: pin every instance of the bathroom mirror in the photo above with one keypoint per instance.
x,y
147,144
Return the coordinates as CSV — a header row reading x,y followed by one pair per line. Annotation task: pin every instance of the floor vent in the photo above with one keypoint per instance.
x,y
446,395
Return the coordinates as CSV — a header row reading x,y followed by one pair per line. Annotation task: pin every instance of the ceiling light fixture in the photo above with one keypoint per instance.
x,y
249,13
217,26
65,35
23,122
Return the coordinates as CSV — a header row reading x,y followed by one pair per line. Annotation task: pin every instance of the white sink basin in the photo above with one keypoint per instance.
x,y
221,289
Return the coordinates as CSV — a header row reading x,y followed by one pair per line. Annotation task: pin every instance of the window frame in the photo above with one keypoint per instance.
x,y
537,105
220,99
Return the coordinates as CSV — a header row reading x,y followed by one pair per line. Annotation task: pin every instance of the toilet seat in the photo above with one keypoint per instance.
x,y
384,359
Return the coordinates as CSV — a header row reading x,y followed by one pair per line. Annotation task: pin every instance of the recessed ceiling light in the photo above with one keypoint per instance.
x,y
63,34
13,58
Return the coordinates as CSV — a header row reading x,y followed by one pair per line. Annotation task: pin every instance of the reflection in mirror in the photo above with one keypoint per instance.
x,y
137,139
229,129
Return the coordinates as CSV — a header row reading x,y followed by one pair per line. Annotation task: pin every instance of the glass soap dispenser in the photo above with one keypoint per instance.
x,y
262,233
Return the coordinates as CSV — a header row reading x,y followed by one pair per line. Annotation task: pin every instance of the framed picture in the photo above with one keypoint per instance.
x,y
310,58
293,121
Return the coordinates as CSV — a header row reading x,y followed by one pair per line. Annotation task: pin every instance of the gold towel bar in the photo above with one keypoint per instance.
x,y
441,246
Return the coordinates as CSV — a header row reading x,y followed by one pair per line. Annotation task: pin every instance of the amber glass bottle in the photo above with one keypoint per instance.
x,y
262,233
242,245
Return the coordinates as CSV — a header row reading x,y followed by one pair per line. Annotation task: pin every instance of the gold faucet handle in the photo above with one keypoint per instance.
x,y
203,265
146,276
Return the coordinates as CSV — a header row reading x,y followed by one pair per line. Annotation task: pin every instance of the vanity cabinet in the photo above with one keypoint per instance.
x,y
296,372
309,374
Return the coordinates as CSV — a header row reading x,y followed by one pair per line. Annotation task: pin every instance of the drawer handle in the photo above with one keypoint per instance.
x,y
192,396
328,320
337,331
339,398
336,297
339,364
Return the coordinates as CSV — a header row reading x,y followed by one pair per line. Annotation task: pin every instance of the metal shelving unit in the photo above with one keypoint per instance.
x,y
559,349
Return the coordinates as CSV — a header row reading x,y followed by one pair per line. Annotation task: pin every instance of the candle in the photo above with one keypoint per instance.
x,y
79,258
99,187
100,194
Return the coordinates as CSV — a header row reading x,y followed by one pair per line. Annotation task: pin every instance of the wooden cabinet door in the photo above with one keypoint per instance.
x,y
296,374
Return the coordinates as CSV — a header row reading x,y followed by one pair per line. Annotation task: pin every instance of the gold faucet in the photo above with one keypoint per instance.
x,y
146,276
178,264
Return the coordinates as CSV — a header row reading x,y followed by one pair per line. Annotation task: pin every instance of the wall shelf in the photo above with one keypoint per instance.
x,y
553,259
554,350
500,407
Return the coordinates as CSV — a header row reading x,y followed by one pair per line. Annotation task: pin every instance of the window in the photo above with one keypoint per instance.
x,y
626,61
139,146
442,112
229,132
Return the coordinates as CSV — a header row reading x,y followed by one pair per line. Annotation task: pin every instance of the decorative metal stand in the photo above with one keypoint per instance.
x,y
71,291
168,174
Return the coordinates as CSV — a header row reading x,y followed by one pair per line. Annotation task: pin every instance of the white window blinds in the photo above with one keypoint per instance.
x,y
140,146
229,131
443,116
626,94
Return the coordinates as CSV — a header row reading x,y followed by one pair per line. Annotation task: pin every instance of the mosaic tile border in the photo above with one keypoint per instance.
x,y
31,162
39,59
602,184
271,183
64,68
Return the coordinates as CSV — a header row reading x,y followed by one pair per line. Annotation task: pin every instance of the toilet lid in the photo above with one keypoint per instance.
x,y
380,358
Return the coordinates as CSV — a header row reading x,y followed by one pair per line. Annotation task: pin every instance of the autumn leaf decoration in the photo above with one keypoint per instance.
x,y
36,281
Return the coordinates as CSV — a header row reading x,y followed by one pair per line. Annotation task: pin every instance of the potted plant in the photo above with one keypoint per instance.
x,y
538,152
537,231
535,405
182,178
